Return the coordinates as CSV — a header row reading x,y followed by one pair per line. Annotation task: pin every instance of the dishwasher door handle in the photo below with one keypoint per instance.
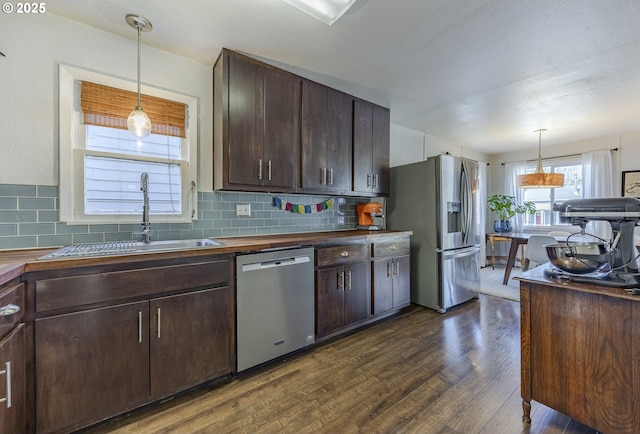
x,y
276,263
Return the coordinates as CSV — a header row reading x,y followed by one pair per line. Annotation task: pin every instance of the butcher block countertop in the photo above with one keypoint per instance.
x,y
13,263
536,276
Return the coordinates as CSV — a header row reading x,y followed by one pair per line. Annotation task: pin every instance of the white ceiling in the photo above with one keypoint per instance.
x,y
480,73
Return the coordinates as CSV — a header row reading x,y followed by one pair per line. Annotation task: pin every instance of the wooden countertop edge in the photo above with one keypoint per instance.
x,y
16,263
536,276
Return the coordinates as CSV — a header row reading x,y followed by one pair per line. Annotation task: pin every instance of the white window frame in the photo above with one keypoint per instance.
x,y
72,137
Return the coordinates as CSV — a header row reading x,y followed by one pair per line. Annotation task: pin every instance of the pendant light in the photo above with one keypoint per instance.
x,y
539,179
138,122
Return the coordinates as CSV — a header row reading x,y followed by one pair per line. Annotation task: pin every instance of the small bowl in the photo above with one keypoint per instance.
x,y
578,258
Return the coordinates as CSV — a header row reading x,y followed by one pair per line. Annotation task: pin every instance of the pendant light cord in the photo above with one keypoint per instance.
x,y
139,33
539,168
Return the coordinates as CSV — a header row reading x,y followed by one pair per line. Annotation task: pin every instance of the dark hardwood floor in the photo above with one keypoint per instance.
x,y
419,372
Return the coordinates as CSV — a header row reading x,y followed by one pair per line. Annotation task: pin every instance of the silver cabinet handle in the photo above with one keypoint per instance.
x,y
349,279
397,269
269,170
330,176
9,309
368,180
341,280
139,327
389,272
7,371
158,323
260,169
375,180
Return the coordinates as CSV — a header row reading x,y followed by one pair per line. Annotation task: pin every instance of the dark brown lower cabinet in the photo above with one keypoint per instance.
x,y
91,365
390,281
97,363
341,297
13,415
190,339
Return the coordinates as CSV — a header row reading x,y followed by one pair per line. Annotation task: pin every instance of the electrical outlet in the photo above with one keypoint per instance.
x,y
243,210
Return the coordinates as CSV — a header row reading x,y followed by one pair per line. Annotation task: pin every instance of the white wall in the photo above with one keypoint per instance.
x,y
34,46
410,146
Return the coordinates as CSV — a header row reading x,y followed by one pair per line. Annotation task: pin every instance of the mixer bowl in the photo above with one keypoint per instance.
x,y
578,258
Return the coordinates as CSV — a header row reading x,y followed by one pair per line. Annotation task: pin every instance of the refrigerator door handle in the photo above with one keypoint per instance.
x,y
457,253
465,193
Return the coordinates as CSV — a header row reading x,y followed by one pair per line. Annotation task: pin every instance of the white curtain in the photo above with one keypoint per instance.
x,y
597,181
482,208
511,170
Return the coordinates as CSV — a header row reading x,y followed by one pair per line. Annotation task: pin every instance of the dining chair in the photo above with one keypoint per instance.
x,y
535,251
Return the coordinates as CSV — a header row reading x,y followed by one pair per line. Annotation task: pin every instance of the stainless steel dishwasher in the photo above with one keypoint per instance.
x,y
275,304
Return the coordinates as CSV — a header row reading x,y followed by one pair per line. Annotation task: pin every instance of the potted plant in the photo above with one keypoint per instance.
x,y
506,207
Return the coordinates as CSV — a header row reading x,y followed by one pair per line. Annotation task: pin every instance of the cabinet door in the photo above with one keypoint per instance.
x,y
281,108
371,129
382,287
245,121
13,416
329,300
339,141
401,282
362,146
356,292
191,337
380,149
314,135
91,365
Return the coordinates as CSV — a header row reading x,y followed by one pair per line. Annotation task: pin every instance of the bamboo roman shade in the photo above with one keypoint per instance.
x,y
109,107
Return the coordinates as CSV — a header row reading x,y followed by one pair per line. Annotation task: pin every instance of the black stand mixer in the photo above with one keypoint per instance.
x,y
623,214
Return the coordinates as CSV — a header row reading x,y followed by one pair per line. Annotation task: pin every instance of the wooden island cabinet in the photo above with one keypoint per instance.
x,y
580,349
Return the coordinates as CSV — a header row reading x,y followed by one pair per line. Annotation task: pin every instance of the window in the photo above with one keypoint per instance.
x,y
545,197
101,163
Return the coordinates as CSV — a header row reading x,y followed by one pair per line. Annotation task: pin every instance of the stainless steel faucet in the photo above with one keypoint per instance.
x,y
146,225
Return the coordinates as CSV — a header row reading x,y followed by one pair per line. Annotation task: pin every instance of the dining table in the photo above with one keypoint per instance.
x,y
517,239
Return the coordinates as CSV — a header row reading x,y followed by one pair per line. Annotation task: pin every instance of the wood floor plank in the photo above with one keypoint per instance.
x,y
419,372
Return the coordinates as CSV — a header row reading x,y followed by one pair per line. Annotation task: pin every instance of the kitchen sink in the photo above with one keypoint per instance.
x,y
176,245
123,247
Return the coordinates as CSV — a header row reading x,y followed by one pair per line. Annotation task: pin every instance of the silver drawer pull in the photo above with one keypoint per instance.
x,y
344,254
7,372
393,247
158,323
9,309
139,327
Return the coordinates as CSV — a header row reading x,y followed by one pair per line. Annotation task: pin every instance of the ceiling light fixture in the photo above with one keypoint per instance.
x,y
327,11
138,122
539,179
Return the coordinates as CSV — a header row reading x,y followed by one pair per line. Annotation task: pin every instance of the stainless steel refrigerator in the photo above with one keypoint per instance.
x,y
439,200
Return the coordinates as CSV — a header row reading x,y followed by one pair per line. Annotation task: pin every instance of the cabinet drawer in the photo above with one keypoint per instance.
x,y
11,307
399,247
341,254
67,292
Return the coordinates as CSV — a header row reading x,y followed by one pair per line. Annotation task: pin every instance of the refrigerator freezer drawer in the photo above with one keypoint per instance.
x,y
459,276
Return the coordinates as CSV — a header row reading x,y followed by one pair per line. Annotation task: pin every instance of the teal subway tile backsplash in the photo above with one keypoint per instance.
x,y
29,217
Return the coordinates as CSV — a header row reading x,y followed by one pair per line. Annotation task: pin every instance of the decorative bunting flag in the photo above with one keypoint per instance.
x,y
302,209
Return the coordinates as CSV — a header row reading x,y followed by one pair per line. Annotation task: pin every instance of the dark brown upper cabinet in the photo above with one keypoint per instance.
x,y
275,131
371,130
327,122
256,125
